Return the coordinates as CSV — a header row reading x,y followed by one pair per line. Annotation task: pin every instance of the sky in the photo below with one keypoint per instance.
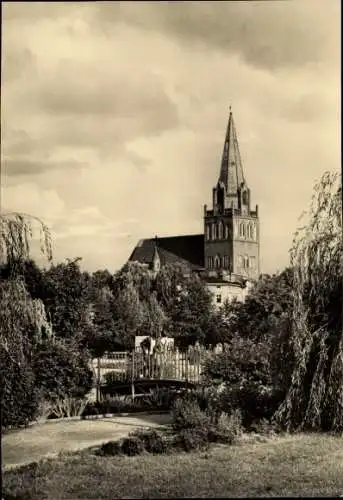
x,y
113,116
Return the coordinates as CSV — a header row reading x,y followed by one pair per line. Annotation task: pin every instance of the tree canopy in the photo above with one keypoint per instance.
x,y
315,396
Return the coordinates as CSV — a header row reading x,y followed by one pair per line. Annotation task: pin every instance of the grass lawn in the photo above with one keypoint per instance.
x,y
299,465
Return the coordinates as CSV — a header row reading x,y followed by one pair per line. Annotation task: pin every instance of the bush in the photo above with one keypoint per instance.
x,y
154,441
61,371
194,438
132,446
112,448
187,414
244,360
161,399
68,407
19,396
254,401
227,428
24,487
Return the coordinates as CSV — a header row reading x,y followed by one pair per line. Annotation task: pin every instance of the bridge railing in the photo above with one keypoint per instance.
x,y
169,364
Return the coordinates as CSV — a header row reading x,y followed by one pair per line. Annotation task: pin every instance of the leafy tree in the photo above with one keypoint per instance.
x,y
315,397
16,234
130,314
155,318
265,307
192,312
102,279
135,276
67,299
102,334
169,282
23,321
61,370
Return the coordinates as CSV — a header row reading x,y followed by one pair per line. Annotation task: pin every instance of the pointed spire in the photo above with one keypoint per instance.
x,y
156,261
231,171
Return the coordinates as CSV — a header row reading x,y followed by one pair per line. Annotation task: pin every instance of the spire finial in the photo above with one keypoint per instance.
x,y
230,108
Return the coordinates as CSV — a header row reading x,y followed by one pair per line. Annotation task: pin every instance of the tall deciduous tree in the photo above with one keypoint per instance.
x,y
266,305
67,298
315,397
191,312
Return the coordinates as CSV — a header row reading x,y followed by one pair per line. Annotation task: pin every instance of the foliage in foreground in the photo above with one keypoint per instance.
x,y
252,469
315,396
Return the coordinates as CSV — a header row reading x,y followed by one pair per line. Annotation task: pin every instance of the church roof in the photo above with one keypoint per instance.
x,y
231,171
187,250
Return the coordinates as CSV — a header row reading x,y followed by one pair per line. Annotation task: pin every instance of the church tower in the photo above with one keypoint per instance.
x,y
231,227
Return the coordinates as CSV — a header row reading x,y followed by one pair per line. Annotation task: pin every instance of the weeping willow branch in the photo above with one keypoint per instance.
x,y
22,320
16,236
315,397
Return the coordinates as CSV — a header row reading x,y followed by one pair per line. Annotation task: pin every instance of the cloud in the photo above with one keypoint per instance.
x,y
117,111
14,167
267,35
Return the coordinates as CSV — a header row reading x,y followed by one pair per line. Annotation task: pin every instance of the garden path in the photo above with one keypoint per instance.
x,y
52,437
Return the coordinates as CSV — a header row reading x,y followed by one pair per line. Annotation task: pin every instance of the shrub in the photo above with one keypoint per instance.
x,y
244,360
19,396
194,438
24,486
61,371
186,413
154,442
67,407
112,448
227,428
132,446
114,404
161,399
255,402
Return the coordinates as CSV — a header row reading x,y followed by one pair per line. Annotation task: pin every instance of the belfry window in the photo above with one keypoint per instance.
x,y
214,235
245,198
226,231
242,230
217,262
220,230
208,231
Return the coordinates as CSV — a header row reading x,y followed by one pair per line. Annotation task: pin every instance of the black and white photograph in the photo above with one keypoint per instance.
x,y
171,249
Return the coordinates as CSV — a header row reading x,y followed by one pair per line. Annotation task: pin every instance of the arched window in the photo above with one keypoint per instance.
x,y
220,200
252,262
217,261
208,231
249,231
240,261
226,262
214,235
220,230
246,262
245,198
226,231
210,262
242,230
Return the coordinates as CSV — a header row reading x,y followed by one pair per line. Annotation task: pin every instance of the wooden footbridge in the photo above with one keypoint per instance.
x,y
141,373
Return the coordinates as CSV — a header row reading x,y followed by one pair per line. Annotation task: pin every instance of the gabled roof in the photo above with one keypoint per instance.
x,y
187,250
231,171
